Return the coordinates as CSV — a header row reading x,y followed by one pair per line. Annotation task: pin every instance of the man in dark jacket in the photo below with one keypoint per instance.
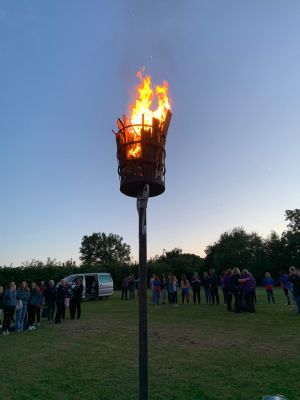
x,y
214,287
50,296
61,294
76,298
294,279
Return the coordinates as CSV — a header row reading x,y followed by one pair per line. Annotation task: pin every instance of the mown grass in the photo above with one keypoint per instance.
x,y
195,352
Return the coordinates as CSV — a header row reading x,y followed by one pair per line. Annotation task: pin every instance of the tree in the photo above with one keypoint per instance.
x,y
291,237
176,262
101,249
236,248
293,216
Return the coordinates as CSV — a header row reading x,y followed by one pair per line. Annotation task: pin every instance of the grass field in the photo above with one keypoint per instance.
x,y
196,352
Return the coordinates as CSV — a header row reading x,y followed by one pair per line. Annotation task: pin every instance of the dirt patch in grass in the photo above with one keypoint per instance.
x,y
206,340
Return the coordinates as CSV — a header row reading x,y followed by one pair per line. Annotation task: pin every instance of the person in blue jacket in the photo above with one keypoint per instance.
x,y
23,294
285,285
10,301
35,299
269,283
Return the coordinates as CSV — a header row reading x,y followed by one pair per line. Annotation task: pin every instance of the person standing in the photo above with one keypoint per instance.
x,y
61,295
151,287
170,287
76,298
206,287
50,295
9,302
173,287
253,288
39,305
124,288
284,283
246,290
235,289
34,300
226,285
156,286
185,287
214,287
196,284
131,287
1,305
294,279
163,289
23,294
269,283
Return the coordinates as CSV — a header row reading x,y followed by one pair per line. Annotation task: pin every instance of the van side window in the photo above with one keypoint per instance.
x,y
105,278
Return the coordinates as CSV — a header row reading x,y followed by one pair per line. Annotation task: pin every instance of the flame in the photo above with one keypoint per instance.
x,y
141,111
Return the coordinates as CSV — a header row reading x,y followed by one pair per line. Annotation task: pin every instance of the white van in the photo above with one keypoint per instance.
x,y
95,284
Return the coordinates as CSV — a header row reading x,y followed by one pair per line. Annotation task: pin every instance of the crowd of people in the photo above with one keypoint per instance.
x,y
25,305
239,289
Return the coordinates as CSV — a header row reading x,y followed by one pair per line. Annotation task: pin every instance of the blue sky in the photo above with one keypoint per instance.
x,y
67,72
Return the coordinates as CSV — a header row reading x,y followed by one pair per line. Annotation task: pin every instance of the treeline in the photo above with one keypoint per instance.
x,y
236,248
277,253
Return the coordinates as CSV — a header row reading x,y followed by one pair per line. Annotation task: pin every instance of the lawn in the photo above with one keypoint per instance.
x,y
195,352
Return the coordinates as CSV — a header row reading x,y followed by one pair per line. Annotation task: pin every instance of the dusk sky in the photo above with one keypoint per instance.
x,y
68,71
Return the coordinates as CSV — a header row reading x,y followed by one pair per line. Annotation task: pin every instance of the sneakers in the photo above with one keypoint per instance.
x,y
32,328
5,333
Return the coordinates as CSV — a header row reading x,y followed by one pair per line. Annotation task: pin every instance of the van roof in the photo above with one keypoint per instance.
x,y
90,273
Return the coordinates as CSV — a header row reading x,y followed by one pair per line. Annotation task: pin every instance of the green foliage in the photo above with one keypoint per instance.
x,y
236,248
176,262
293,217
99,248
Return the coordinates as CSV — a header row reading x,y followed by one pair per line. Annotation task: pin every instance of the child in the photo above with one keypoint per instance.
x,y
268,283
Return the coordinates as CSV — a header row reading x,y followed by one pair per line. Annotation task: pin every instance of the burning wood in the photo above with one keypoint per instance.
x,y
141,139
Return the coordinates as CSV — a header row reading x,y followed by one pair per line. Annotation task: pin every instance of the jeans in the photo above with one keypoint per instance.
x,y
297,301
163,295
51,309
75,305
215,294
131,293
237,301
225,294
20,317
31,314
207,293
174,298
9,312
270,295
249,302
124,293
229,300
196,296
60,308
156,297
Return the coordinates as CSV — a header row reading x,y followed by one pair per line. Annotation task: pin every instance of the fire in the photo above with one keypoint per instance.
x,y
143,113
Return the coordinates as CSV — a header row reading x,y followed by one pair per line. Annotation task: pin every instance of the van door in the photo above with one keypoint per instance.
x,y
91,286
105,285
